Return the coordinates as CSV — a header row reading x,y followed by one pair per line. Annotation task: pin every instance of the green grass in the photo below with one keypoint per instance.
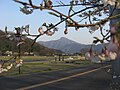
x,y
29,57
35,67
37,57
49,65
5,57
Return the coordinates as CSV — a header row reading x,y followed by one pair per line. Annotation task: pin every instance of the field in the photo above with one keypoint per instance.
x,y
35,64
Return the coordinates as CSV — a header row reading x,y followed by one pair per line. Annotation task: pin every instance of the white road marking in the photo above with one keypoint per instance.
x,y
61,79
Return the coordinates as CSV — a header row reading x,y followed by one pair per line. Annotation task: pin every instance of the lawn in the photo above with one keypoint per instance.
x,y
29,57
47,66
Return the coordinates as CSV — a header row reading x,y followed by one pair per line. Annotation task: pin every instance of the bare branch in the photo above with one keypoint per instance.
x,y
102,22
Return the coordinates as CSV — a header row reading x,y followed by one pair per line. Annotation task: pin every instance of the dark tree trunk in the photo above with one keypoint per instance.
x,y
115,38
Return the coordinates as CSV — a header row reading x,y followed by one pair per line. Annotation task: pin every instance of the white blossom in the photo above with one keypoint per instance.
x,y
26,11
21,61
112,55
10,66
95,59
8,36
19,43
111,2
87,55
102,57
3,70
92,57
105,2
18,65
26,28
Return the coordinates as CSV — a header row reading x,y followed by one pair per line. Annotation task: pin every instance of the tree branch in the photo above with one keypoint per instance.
x,y
97,23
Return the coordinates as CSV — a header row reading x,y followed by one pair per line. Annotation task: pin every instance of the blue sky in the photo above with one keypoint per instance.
x,y
11,17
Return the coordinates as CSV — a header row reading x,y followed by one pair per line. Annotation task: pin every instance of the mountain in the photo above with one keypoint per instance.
x,y
10,45
69,46
64,44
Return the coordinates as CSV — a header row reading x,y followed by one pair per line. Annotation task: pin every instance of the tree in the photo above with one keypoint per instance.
x,y
93,14
89,13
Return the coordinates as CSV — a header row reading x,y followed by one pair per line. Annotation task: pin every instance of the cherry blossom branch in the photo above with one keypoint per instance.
x,y
70,22
61,14
102,22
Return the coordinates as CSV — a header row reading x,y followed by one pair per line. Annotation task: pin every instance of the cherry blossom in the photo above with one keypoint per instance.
x,y
40,30
110,53
102,57
3,70
9,66
26,11
19,62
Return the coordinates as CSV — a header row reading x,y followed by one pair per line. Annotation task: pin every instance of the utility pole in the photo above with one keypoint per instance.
x,y
19,51
18,35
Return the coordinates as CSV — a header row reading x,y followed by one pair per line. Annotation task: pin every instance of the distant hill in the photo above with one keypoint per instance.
x,y
64,44
10,45
68,46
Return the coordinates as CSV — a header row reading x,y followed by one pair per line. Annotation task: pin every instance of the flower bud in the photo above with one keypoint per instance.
x,y
40,30
76,1
66,31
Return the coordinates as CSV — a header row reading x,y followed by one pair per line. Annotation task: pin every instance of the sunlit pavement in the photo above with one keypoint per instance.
x,y
56,80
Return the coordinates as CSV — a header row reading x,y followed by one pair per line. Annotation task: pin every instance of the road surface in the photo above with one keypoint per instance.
x,y
92,77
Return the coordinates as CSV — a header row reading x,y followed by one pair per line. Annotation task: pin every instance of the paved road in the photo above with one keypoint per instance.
x,y
91,77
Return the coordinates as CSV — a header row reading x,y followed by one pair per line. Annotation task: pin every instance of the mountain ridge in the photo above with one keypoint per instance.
x,y
64,44
69,46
